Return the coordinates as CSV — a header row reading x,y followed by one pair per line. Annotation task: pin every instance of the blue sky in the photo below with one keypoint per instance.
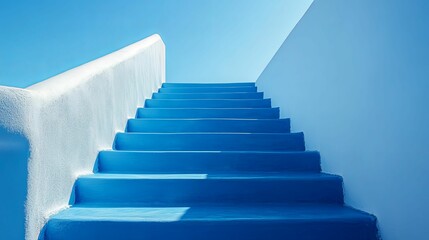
x,y
209,40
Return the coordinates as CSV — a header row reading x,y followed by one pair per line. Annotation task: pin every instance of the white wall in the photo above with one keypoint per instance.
x,y
69,118
353,75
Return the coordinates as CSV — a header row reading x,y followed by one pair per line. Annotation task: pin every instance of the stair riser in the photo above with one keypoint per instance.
x,y
188,192
206,85
209,142
259,103
207,90
256,95
212,230
206,162
255,113
208,125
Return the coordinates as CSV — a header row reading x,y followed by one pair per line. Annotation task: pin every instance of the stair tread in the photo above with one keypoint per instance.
x,y
171,85
210,109
209,119
204,118
266,212
238,176
209,151
210,141
208,93
228,89
206,161
211,100
215,87
241,113
238,95
208,103
209,133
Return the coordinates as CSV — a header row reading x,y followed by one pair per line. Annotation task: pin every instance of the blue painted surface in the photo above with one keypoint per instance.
x,y
354,76
208,103
176,85
209,125
253,95
210,141
14,154
246,113
205,178
207,162
310,222
207,89
218,40
202,189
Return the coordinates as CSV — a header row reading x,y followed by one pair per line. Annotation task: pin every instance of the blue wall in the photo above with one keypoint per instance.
x,y
354,76
211,40
14,153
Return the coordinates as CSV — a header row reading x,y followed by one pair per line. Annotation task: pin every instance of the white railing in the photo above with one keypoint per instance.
x,y
69,118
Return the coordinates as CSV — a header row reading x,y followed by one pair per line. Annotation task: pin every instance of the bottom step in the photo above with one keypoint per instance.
x,y
292,222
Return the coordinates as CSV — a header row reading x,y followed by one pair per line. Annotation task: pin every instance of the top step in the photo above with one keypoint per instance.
x,y
216,89
204,85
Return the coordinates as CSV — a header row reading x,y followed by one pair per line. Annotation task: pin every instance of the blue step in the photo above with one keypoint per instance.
x,y
138,162
207,89
175,85
210,141
292,222
208,125
208,103
247,113
209,161
248,95
197,189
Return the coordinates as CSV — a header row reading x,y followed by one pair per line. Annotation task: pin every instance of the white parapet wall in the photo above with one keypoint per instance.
x,y
69,118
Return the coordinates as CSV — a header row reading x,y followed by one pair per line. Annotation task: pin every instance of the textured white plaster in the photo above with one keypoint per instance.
x,y
14,104
69,118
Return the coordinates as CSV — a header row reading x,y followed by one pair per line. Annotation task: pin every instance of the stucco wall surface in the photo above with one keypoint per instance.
x,y
353,75
66,120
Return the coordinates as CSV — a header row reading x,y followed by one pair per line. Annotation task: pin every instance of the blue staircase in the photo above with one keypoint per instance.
x,y
209,161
